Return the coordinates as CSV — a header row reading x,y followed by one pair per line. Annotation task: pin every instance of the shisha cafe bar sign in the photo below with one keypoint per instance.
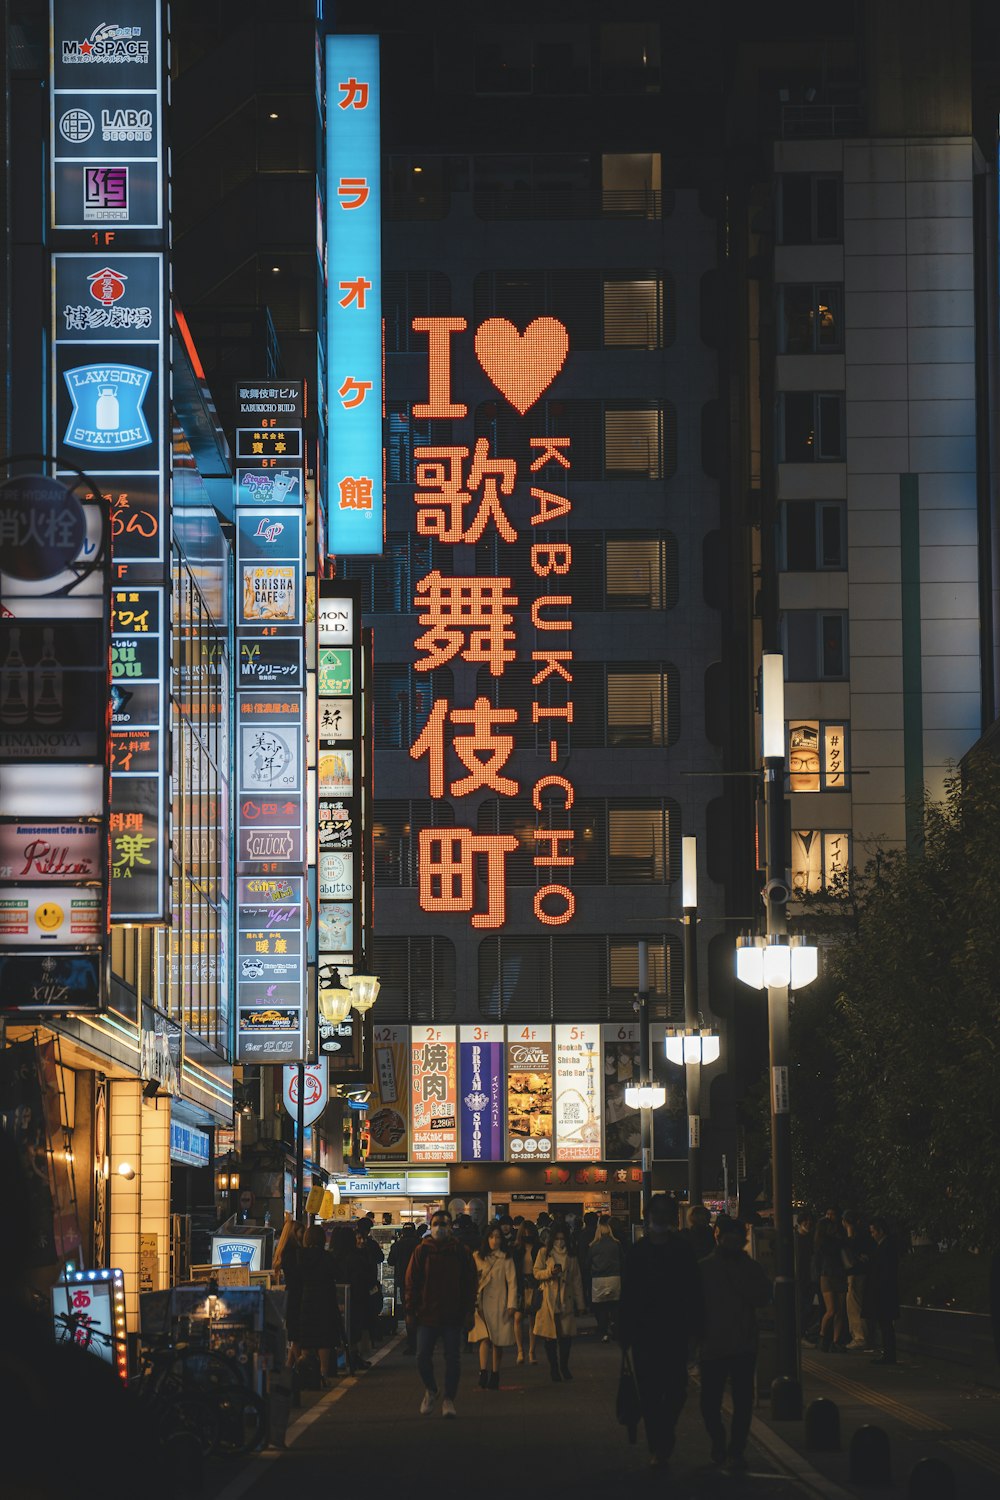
x,y
459,495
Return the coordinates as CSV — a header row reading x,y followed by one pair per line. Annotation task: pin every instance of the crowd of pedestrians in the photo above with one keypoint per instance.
x,y
674,1300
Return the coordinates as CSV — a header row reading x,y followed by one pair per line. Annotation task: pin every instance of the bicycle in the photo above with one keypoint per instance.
x,y
203,1396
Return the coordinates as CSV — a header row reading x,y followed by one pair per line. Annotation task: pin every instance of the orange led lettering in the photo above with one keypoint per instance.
x,y
440,497
497,748
446,872
552,507
355,95
354,188
551,601
355,494
540,712
355,292
430,742
553,658
546,559
549,919
544,783
467,616
550,452
439,331
553,837
353,392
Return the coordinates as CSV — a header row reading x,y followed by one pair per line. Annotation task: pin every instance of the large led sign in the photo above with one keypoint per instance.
x,y
354,297
461,494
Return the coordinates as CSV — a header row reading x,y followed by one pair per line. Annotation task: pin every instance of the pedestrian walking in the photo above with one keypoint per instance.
x,y
604,1262
699,1231
557,1271
832,1284
287,1261
353,1270
858,1246
374,1256
321,1327
441,1295
398,1258
496,1304
661,1315
882,1305
526,1246
806,1277
733,1286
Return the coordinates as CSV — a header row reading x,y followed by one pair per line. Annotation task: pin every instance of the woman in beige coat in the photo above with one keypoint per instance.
x,y
496,1303
557,1272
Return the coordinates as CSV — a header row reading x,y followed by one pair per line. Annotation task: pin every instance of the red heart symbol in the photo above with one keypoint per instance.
x,y
522,365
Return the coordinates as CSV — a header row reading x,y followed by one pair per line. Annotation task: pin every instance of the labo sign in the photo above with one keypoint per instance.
x,y
459,496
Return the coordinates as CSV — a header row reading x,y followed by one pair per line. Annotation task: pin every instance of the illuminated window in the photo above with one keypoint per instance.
x,y
639,841
403,700
418,978
812,427
639,572
396,823
809,209
630,57
585,977
820,859
812,319
631,185
643,706
412,294
818,759
634,442
633,312
406,432
815,644
813,535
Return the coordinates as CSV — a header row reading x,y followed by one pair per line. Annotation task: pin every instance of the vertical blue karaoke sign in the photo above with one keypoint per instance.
x,y
354,297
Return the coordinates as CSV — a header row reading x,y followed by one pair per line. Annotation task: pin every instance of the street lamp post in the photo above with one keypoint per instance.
x,y
692,1070
787,1389
646,1078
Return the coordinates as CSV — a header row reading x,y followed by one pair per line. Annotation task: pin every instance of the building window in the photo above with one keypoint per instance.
x,y
403,699
637,572
600,310
643,706
813,535
812,427
626,439
540,59
406,432
633,442
630,57
396,823
821,858
589,977
388,582
815,645
631,185
639,830
818,757
418,978
812,319
633,312
810,209
412,294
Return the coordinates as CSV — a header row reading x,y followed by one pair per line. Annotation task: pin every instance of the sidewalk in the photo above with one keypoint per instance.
x,y
928,1407
560,1440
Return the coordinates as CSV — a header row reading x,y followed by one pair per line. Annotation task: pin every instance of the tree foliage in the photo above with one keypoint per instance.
x,y
896,1089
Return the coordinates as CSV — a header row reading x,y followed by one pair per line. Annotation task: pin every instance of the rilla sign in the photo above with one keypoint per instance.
x,y
460,497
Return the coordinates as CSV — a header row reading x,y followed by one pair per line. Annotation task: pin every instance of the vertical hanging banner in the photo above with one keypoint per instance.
x,y
110,326
622,1123
354,297
529,1093
481,1088
271,821
433,1094
389,1111
578,1111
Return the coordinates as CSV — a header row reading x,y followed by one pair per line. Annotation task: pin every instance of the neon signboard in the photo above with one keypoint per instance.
x,y
354,297
459,496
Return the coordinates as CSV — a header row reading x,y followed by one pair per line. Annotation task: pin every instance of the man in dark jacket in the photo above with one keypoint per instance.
x,y
399,1258
441,1286
734,1287
882,1291
661,1313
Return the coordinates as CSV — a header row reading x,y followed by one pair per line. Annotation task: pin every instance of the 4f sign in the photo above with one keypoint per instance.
x,y
317,1090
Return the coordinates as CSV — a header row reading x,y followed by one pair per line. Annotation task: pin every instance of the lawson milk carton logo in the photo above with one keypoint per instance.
x,y
235,1252
107,407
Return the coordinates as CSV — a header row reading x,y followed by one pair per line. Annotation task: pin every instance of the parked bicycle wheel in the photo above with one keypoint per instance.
x,y
192,1417
242,1421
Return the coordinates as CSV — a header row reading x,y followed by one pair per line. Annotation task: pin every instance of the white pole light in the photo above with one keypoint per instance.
x,y
645,1096
776,962
772,706
750,963
689,873
692,1047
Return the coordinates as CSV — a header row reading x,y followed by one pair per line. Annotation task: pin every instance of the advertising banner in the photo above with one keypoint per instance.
x,y
433,1094
389,1111
481,1093
52,689
271,967
50,916
578,1091
354,297
51,853
270,661
622,1125
317,1090
529,1093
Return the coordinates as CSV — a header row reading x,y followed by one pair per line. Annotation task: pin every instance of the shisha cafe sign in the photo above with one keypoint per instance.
x,y
458,496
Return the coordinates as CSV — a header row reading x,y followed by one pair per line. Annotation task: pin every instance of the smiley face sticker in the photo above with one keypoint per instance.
x,y
49,917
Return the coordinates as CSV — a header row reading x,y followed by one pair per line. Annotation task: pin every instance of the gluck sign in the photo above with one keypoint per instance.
x,y
459,495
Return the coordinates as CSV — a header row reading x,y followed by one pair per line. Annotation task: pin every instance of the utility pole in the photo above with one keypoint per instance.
x,y
692,1016
645,1077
